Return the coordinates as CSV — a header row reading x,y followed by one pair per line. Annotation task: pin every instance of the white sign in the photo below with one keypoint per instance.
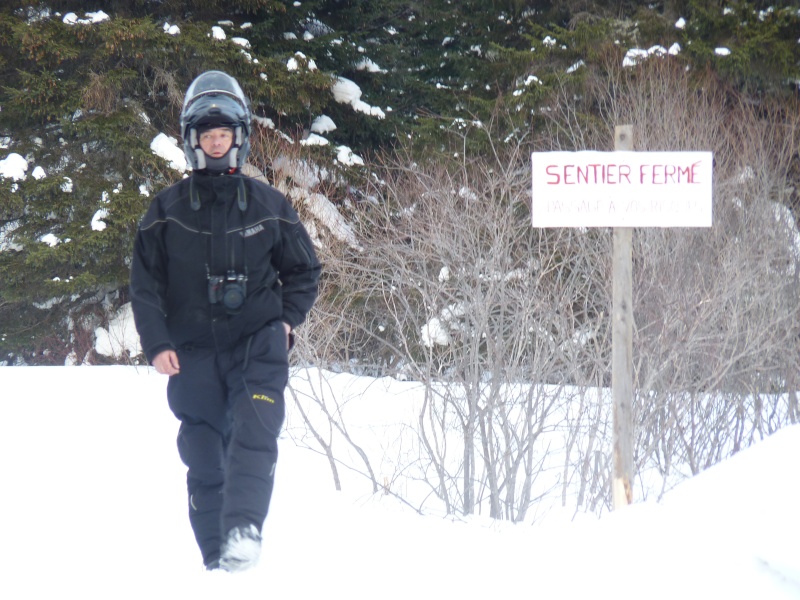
x,y
622,189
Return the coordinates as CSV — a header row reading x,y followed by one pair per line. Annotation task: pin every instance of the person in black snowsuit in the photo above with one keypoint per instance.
x,y
223,271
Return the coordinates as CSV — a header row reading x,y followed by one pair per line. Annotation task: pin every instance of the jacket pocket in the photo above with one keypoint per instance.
x,y
300,249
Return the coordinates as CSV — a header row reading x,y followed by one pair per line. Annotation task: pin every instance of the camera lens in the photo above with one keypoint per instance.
x,y
233,297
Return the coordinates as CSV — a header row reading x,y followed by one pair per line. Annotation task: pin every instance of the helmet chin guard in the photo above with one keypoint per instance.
x,y
215,99
217,165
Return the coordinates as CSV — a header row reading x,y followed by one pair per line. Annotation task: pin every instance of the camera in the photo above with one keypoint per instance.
x,y
230,290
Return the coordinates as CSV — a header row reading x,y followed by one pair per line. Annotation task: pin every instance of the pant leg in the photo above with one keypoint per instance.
x,y
197,397
256,387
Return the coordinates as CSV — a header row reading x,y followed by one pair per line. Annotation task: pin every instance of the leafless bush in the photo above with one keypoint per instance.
x,y
508,326
330,337
455,289
717,323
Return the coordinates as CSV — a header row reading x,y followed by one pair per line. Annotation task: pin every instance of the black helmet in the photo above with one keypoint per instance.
x,y
215,99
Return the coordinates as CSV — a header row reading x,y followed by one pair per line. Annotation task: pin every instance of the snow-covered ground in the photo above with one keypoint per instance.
x,y
92,506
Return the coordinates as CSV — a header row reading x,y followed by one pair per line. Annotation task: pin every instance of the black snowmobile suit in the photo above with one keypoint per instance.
x,y
229,394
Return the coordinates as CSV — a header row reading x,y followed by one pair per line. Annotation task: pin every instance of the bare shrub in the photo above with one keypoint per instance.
x,y
508,329
454,288
716,312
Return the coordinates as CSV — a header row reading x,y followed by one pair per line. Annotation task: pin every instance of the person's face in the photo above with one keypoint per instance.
x,y
216,142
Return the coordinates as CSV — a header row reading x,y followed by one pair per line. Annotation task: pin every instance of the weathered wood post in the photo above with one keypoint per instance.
x,y
622,349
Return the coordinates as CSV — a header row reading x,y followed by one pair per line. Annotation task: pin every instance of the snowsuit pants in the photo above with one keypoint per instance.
x,y
231,408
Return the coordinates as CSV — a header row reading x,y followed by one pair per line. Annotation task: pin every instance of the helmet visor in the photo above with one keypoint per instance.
x,y
214,83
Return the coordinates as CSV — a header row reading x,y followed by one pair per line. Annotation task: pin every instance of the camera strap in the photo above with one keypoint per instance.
x,y
241,201
194,196
241,193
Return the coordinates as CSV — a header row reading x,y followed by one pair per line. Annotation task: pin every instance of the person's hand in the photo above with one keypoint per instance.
x,y
166,363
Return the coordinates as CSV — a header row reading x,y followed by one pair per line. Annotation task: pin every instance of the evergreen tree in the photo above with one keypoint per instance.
x,y
81,103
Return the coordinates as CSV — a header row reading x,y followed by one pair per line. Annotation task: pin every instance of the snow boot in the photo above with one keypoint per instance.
x,y
241,549
212,566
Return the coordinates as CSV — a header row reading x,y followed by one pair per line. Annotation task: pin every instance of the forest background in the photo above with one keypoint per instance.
x,y
402,133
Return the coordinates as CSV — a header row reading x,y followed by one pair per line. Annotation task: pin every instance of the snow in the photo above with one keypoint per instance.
x,y
97,220
346,91
91,18
635,55
120,338
326,213
435,332
367,64
295,63
576,66
323,124
300,172
346,156
94,503
314,140
167,148
13,167
50,239
5,243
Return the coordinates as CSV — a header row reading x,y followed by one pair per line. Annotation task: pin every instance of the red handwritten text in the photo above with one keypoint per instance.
x,y
615,174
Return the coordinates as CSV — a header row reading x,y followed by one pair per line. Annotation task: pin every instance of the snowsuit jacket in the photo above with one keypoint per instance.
x,y
198,228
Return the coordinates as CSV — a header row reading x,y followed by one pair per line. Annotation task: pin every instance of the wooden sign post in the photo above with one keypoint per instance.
x,y
622,189
622,349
